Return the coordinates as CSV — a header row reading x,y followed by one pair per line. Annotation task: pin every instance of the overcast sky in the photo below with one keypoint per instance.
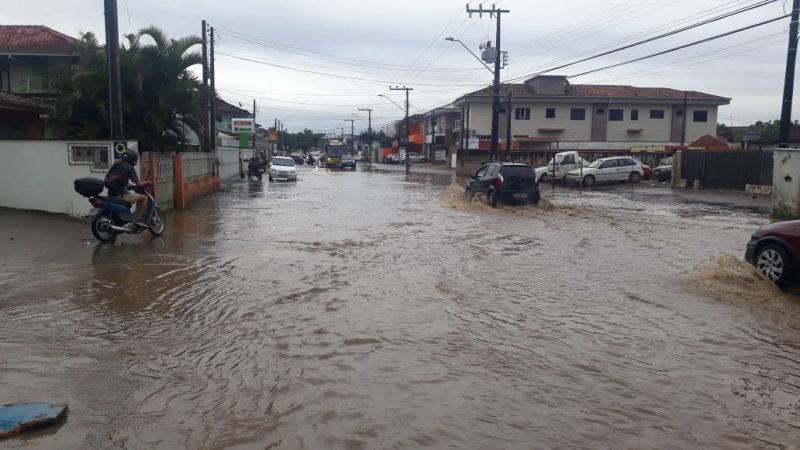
x,y
359,47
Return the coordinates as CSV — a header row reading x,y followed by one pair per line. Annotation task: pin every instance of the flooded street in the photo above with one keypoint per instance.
x,y
374,310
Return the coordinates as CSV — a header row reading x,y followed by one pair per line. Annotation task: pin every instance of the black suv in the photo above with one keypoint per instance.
x,y
500,181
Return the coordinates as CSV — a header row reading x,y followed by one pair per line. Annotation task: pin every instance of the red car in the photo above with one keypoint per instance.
x,y
775,250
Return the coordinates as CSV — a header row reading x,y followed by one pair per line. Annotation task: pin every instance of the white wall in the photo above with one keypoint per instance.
x,y
37,175
229,161
654,130
696,130
197,164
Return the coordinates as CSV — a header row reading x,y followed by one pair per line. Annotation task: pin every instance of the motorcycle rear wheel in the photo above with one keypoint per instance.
x,y
100,229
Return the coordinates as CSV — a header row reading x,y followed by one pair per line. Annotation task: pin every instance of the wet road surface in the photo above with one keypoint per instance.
x,y
371,310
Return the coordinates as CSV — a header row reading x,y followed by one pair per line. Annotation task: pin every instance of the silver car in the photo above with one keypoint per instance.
x,y
282,168
605,170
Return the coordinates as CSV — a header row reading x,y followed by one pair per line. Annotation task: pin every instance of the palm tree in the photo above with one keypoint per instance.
x,y
160,96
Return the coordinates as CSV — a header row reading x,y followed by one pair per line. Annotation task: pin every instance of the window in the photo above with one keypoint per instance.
x,y
522,113
601,111
609,164
626,162
569,159
615,115
94,155
656,113
700,116
634,114
679,113
482,172
5,79
493,169
550,113
577,114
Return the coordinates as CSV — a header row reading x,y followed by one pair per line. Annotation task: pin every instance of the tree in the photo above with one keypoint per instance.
x,y
307,139
161,99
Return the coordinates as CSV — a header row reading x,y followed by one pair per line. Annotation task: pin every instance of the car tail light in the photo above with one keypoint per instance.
x,y
500,181
95,202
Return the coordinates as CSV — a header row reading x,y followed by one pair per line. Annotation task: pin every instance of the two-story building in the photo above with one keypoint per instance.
x,y
29,54
550,108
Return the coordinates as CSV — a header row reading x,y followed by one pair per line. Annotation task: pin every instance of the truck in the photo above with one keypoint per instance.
x,y
559,165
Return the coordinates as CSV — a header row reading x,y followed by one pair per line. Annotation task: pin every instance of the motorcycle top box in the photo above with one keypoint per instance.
x,y
89,187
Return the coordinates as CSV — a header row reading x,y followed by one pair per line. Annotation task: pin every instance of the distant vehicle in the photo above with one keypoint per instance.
x,y
414,157
775,250
348,161
500,182
282,168
559,165
333,154
605,170
298,158
359,155
663,171
393,158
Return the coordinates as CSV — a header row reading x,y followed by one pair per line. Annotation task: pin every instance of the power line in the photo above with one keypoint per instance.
x,y
314,72
663,27
660,36
664,52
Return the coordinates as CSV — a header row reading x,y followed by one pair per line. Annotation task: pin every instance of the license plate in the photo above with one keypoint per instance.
x,y
520,196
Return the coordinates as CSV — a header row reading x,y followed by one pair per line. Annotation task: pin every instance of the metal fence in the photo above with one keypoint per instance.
x,y
728,170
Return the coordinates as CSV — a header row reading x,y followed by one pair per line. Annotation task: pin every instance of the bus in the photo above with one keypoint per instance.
x,y
333,153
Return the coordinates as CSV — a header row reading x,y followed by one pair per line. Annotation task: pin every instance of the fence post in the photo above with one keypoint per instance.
x,y
178,181
677,168
153,173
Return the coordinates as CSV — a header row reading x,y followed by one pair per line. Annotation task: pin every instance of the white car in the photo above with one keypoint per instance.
x,y
282,168
558,166
605,170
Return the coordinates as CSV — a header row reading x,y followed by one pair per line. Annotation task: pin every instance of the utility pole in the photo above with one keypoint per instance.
x,y
114,79
206,111
255,128
408,140
788,84
496,84
352,133
369,129
213,102
508,127
685,117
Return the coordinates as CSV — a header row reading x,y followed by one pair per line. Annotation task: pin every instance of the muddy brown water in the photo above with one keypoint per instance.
x,y
370,310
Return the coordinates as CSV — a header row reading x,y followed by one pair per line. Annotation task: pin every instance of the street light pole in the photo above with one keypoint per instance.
x,y
408,139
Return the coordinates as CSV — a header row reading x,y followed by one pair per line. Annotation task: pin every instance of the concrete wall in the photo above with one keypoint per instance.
x,y
786,184
196,165
38,175
228,161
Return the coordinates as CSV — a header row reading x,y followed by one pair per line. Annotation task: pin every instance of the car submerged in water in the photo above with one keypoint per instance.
x,y
282,168
775,251
504,182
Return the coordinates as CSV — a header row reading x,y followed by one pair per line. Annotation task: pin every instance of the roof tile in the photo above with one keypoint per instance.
x,y
34,40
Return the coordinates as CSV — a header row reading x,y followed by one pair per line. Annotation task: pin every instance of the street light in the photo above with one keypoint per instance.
x,y
393,102
452,39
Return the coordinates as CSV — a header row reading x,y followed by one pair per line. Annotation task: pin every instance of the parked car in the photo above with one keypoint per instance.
x,y
500,181
604,170
559,165
415,158
348,161
393,158
647,170
663,171
775,250
282,168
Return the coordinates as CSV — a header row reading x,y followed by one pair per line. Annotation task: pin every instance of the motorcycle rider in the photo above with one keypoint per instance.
x,y
117,180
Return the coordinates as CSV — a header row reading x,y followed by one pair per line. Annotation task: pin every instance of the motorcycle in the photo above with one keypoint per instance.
x,y
111,215
256,167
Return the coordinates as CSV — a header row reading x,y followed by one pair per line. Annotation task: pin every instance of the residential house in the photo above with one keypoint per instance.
x,y
416,132
549,108
442,133
225,112
29,54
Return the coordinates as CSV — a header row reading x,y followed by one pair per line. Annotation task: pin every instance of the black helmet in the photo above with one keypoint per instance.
x,y
130,156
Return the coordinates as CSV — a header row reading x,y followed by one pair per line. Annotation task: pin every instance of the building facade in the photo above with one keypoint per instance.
x,y
549,108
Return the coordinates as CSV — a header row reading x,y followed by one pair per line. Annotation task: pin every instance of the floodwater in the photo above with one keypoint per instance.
x,y
372,310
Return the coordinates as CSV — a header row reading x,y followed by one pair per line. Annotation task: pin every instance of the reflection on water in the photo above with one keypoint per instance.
x,y
369,310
